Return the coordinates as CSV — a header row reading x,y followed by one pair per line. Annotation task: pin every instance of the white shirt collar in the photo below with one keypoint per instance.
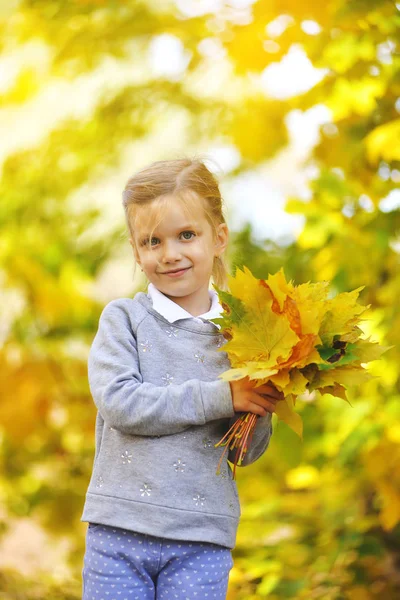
x,y
171,311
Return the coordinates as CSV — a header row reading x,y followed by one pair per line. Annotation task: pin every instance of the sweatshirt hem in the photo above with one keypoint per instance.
x,y
161,521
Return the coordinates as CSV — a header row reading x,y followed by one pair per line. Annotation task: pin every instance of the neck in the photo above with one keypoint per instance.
x,y
196,304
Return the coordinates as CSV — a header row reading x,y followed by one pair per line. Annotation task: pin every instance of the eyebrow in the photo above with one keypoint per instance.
x,y
189,226
182,228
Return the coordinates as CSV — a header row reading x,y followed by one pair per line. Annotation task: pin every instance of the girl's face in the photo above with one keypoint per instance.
x,y
179,258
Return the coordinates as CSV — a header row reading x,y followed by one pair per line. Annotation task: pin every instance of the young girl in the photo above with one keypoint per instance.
x,y
162,522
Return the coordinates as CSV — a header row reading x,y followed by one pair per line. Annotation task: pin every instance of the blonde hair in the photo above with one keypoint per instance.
x,y
187,179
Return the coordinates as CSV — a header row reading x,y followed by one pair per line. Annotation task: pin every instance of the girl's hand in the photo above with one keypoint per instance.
x,y
258,400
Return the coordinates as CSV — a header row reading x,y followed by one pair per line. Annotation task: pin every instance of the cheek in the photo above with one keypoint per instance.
x,y
202,251
204,260
149,263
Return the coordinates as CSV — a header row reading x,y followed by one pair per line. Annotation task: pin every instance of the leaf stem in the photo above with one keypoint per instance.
x,y
238,436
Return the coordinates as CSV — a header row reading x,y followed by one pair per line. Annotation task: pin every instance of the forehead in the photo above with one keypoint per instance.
x,y
168,214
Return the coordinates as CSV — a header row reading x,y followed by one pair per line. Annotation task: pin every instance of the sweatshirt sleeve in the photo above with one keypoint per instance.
x,y
259,443
136,407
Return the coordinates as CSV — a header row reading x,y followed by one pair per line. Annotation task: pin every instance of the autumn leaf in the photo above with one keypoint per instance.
x,y
311,302
266,341
294,337
340,315
285,411
367,351
279,287
335,390
297,382
347,376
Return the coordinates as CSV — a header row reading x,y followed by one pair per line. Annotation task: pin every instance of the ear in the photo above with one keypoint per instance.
x,y
135,252
221,238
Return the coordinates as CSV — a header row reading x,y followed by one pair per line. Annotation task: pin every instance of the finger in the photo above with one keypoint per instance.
x,y
257,409
269,390
265,409
272,399
275,392
266,403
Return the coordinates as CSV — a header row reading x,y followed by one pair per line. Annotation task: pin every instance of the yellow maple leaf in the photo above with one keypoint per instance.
x,y
263,376
285,411
343,312
281,379
249,290
335,390
301,353
367,350
346,376
297,383
267,339
234,374
291,336
353,335
279,287
310,300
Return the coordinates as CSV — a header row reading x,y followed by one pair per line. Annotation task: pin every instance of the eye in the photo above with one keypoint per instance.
x,y
187,235
154,241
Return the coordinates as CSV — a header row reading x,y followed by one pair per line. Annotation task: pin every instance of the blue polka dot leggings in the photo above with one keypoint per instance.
x,y
124,565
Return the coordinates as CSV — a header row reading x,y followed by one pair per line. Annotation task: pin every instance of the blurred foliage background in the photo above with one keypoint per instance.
x,y
82,105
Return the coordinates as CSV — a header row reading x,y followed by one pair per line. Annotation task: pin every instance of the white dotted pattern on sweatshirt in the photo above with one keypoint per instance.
x,y
124,565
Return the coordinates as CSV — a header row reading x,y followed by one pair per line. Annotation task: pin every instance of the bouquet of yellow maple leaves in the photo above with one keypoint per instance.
x,y
295,337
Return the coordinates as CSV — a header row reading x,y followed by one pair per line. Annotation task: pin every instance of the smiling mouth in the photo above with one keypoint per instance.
x,y
175,271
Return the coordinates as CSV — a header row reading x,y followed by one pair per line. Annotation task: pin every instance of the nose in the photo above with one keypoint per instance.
x,y
170,252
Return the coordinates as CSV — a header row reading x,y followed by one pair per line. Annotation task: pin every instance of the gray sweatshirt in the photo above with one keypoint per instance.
x,y
161,409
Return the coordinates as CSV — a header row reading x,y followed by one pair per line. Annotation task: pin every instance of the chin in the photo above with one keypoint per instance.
x,y
177,292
